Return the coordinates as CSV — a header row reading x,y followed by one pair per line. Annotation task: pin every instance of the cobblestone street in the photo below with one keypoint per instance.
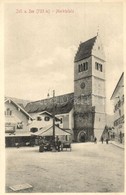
x,y
88,167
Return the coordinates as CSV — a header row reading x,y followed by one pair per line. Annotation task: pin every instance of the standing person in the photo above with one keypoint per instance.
x,y
95,140
107,140
41,145
102,140
58,143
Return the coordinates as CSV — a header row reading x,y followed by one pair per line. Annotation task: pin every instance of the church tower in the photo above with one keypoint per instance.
x,y
89,90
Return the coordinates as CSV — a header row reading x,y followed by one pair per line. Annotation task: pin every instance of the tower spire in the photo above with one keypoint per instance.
x,y
98,30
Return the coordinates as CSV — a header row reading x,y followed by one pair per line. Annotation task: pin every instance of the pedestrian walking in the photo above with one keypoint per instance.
x,y
102,140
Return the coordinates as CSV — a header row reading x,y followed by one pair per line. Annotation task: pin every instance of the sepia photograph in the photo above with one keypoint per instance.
x,y
64,97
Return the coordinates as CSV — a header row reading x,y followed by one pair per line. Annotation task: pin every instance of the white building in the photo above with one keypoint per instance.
x,y
17,122
41,120
118,100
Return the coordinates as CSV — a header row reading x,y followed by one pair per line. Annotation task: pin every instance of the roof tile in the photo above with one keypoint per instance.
x,y
63,104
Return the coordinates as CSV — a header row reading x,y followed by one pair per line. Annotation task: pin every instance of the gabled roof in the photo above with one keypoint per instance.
x,y
63,104
85,49
18,101
117,86
18,106
49,114
21,105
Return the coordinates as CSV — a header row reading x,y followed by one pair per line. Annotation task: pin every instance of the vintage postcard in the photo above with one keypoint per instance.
x,y
63,97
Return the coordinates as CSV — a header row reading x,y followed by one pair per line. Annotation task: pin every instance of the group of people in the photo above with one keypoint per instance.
x,y
50,144
102,140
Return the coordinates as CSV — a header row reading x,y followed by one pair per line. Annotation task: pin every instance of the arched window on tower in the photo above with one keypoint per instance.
x,y
98,66
86,65
81,67
79,70
101,67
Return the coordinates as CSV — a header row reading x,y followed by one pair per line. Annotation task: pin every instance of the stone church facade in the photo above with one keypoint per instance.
x,y
89,90
84,110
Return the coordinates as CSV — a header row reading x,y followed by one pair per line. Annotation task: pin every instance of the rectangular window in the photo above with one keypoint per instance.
x,y
98,67
8,112
101,67
39,118
83,67
61,120
86,65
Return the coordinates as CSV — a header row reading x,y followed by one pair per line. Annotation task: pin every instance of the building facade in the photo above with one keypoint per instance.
x,y
63,109
17,122
89,90
118,100
41,120
84,110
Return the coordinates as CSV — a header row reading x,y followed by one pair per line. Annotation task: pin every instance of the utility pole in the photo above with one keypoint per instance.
x,y
54,116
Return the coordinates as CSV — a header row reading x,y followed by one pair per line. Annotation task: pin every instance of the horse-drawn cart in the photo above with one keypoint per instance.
x,y
66,145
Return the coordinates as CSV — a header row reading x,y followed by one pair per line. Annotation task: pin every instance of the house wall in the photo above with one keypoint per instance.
x,y
118,122
17,116
98,89
98,49
42,123
66,124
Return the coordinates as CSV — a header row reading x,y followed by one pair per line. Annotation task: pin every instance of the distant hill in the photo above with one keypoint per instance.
x,y
109,120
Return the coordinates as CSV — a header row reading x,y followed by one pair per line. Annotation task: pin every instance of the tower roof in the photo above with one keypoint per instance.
x,y
84,50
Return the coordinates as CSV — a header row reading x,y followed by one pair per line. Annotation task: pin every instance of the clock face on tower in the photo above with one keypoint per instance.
x,y
82,85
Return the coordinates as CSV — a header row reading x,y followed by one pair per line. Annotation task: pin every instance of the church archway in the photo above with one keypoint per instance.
x,y
81,136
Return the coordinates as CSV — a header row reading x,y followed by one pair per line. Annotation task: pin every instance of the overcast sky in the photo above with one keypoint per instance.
x,y
40,47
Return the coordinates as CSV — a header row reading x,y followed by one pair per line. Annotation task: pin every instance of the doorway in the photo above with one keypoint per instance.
x,y
82,136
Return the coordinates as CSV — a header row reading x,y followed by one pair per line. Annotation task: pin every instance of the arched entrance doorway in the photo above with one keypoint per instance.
x,y
81,136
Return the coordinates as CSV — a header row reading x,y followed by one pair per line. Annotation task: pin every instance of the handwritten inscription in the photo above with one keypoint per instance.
x,y
44,11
